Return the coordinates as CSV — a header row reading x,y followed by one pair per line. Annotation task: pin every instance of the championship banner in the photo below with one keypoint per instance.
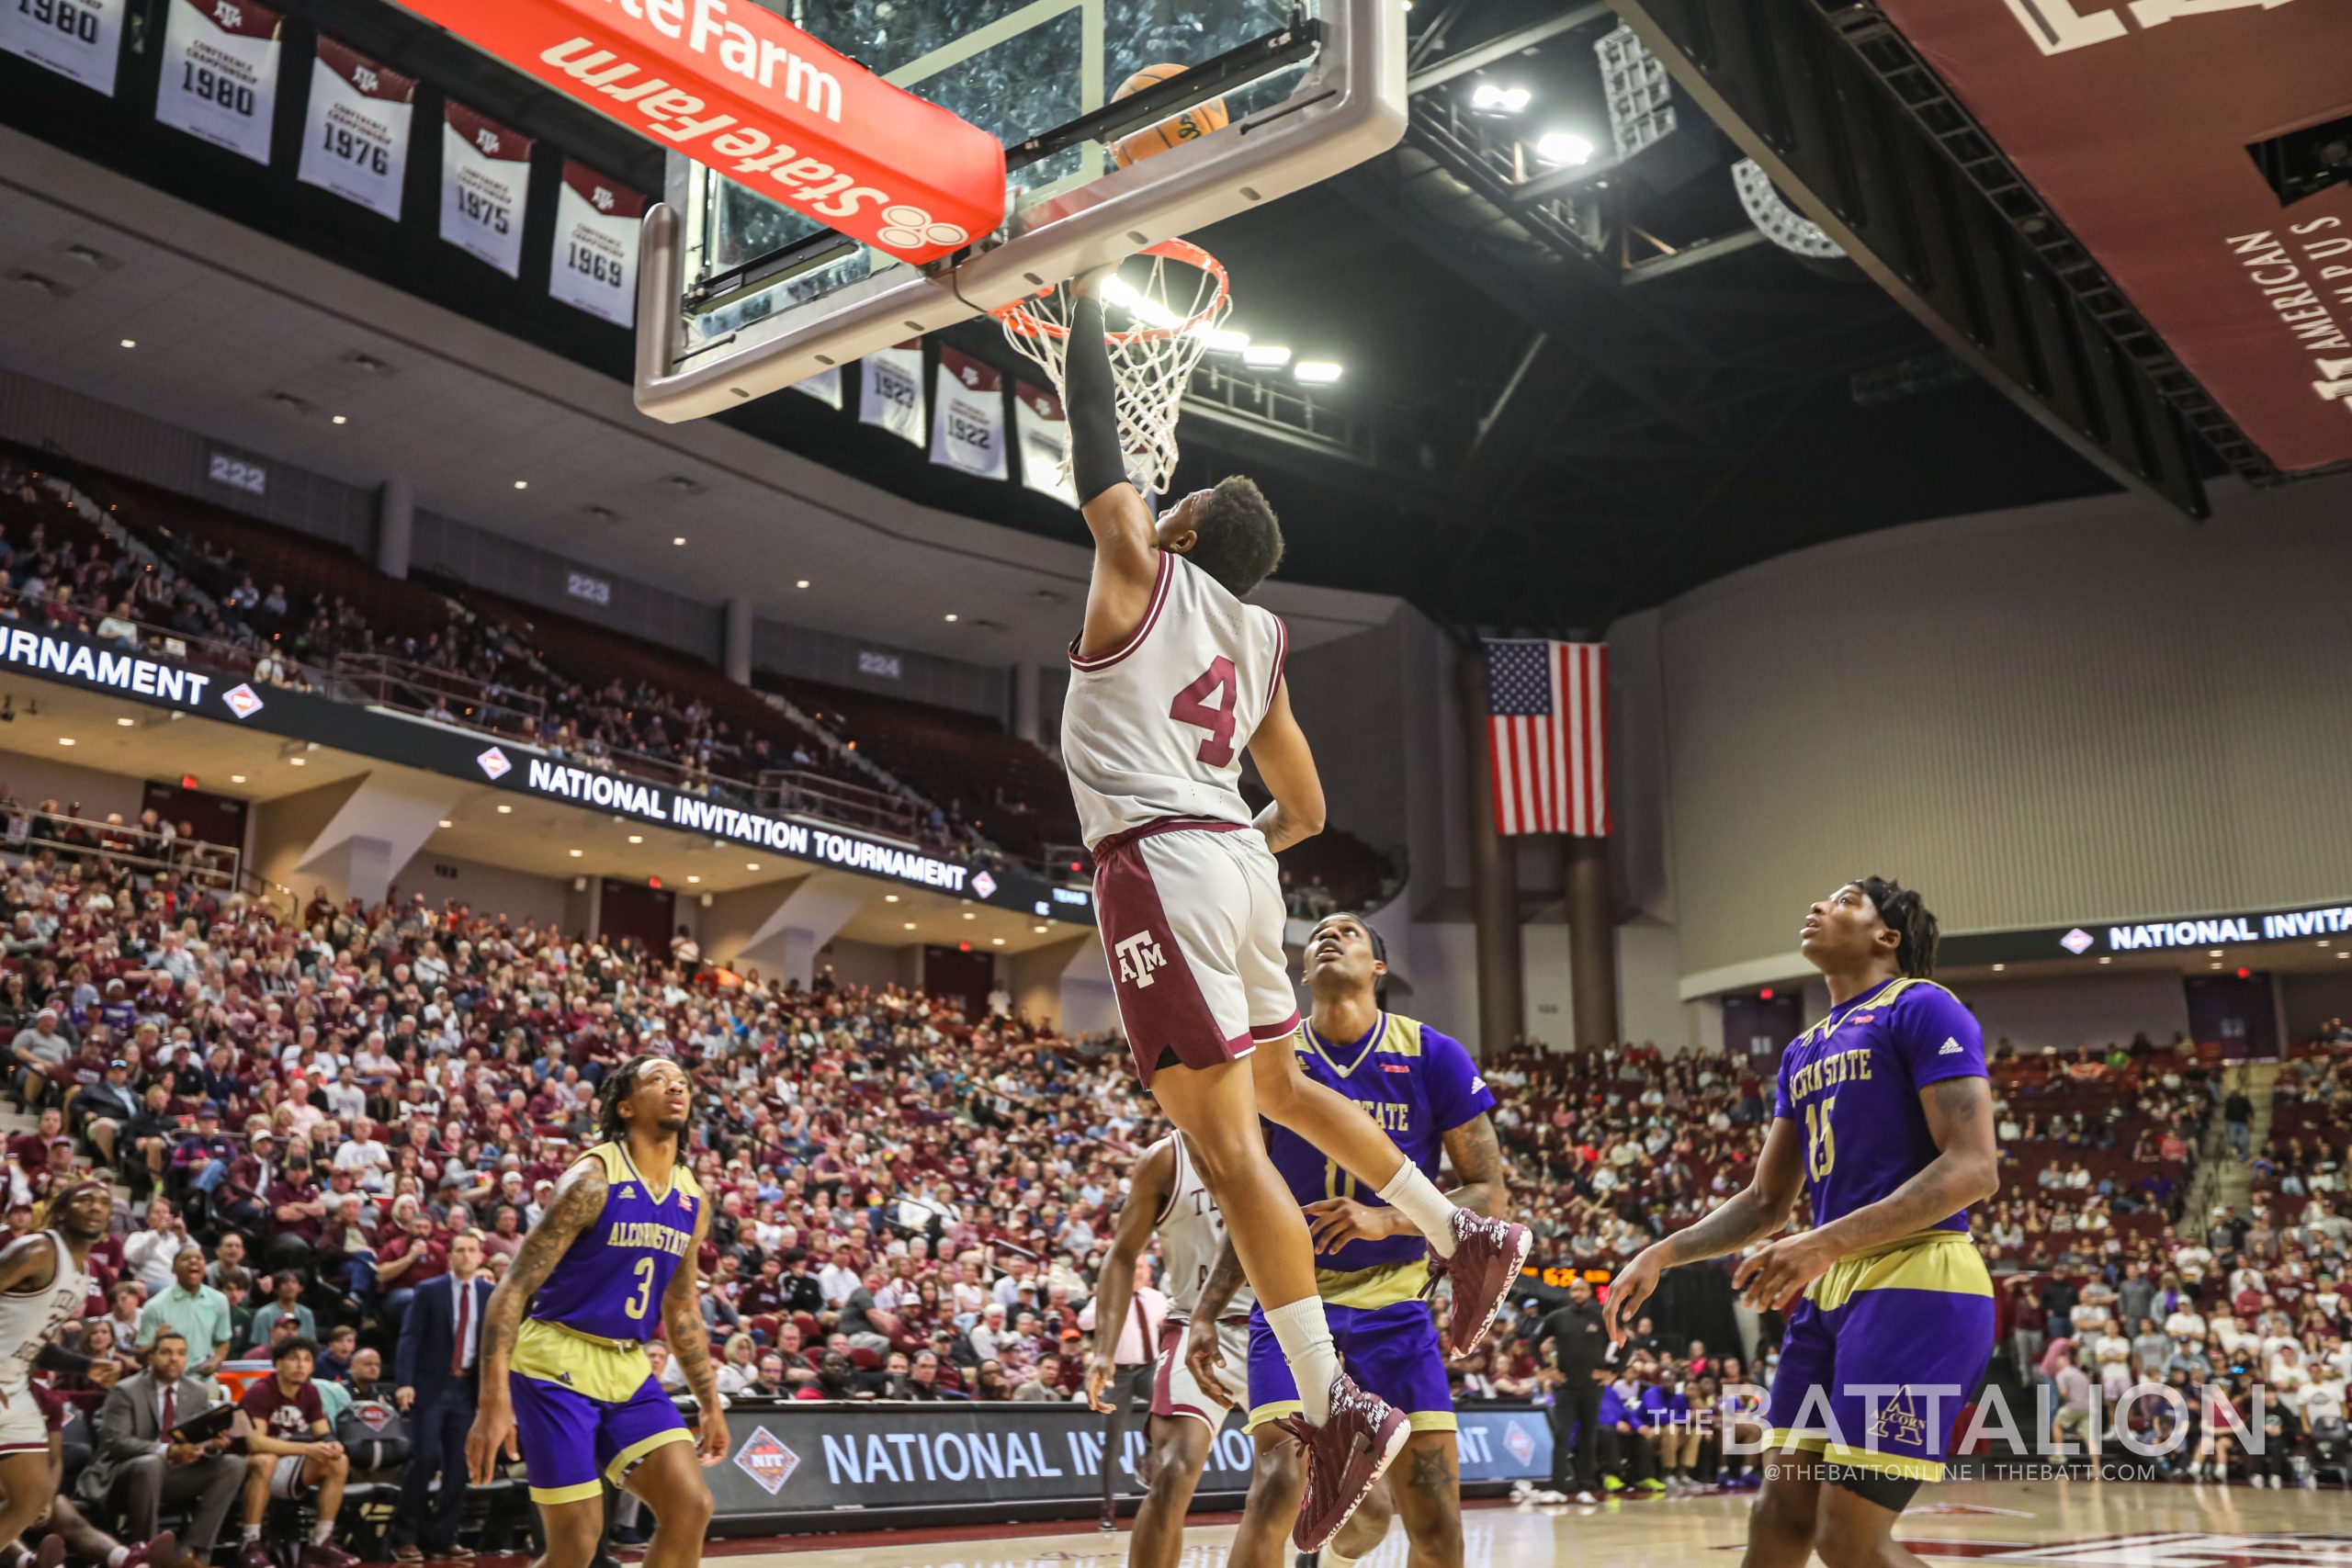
x,y
596,224
890,391
739,89
219,80
825,386
355,143
79,39
485,176
2146,127
967,417
1044,434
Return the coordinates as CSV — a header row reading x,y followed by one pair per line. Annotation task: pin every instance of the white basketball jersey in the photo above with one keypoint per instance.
x,y
1191,1233
1155,728
29,1320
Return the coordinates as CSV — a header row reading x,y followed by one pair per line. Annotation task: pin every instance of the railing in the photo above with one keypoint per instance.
x,y
789,792
30,829
434,692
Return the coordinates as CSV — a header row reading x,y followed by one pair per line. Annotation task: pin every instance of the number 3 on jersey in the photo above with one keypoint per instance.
x,y
643,1297
1207,703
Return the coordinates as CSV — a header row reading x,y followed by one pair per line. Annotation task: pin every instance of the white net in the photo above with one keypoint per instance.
x,y
1159,324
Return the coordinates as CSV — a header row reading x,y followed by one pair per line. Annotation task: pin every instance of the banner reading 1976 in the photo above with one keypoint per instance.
x,y
355,143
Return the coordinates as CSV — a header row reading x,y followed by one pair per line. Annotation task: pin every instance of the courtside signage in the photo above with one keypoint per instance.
x,y
743,91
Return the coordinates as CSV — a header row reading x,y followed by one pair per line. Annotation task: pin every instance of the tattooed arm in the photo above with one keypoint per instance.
x,y
1756,1211
690,1341
1478,1159
578,1201
1966,1169
1115,1289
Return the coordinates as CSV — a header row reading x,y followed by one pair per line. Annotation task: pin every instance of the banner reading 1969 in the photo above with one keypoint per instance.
x,y
219,78
596,223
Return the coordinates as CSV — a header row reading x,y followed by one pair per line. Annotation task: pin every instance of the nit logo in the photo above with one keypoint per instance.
x,y
493,763
766,1460
1518,1444
1139,956
373,1414
984,884
243,701
2076,941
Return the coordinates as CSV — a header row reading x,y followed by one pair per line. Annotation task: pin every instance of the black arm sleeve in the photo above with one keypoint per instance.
x,y
57,1359
1096,462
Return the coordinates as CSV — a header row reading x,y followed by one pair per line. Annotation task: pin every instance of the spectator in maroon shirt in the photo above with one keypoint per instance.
x,y
412,1256
299,1209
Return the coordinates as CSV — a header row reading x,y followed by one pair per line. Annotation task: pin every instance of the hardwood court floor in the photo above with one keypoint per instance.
x,y
2098,1525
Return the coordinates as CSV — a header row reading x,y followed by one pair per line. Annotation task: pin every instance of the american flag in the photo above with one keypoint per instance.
x,y
1547,729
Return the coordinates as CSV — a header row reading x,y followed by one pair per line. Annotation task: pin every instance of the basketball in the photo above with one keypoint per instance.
x,y
1173,131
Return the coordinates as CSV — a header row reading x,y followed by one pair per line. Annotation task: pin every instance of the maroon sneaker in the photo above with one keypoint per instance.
x,y
327,1554
1345,1457
1484,1266
50,1553
164,1550
253,1554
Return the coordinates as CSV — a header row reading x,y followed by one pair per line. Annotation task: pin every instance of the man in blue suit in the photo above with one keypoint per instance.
x,y
436,1372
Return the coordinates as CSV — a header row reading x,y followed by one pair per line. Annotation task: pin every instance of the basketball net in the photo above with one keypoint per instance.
x,y
1171,314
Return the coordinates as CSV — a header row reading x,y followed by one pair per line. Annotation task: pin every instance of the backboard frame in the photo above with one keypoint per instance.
x,y
1350,105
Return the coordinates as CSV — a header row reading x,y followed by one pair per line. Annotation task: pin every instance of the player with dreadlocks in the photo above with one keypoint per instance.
x,y
1884,1110
563,1362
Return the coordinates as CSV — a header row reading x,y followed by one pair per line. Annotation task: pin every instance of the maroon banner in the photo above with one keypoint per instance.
x,y
2133,120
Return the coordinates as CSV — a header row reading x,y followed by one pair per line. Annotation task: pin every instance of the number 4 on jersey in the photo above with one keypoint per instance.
x,y
1207,703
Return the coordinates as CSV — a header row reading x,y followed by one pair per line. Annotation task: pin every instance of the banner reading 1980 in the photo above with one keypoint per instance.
x,y
79,39
220,80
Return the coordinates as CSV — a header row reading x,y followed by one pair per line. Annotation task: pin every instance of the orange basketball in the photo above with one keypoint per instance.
x,y
1175,131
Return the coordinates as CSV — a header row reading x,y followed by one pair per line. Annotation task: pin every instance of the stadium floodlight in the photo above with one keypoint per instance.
x,y
1321,372
1563,148
1226,340
1265,355
1496,98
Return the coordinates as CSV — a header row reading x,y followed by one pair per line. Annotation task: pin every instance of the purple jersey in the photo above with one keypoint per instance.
x,y
1416,1084
1851,1084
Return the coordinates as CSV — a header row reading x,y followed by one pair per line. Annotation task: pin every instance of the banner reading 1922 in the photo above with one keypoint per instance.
x,y
79,39
596,223
485,178
220,77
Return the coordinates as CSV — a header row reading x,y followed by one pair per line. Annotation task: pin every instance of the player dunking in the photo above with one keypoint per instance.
x,y
1171,677
563,1361
1423,1087
1883,1108
1168,1195
43,1282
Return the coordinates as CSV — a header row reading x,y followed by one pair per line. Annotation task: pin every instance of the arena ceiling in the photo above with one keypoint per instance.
x,y
1568,395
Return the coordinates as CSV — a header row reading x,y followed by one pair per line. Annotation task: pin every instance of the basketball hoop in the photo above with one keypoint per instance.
x,y
1171,316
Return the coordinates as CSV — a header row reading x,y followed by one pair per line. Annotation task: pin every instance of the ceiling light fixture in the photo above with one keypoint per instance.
x,y
694,879
1496,98
910,925
1563,149
239,778
341,420
751,865
1040,929
889,897
678,539
577,854
65,740
637,838
505,811
951,614
446,823
802,583
298,761
996,942
130,343
126,723
1265,355
1317,372
522,484
1224,340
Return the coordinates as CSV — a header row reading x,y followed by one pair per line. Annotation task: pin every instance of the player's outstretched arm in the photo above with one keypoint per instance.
x,y
1116,1288
1966,1169
1286,767
1756,1211
578,1200
1126,552
690,1342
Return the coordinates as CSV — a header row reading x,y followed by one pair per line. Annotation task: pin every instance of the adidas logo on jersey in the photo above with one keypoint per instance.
x,y
629,1191
1139,956
1951,1048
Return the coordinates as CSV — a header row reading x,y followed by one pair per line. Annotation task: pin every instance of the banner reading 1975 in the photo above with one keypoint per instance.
x,y
485,178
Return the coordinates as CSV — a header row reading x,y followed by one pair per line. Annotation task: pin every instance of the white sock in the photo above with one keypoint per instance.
x,y
1417,1198
324,1533
1304,1336
115,1558
1332,1557
253,1532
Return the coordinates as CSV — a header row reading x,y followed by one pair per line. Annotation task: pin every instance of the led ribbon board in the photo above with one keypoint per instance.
x,y
742,90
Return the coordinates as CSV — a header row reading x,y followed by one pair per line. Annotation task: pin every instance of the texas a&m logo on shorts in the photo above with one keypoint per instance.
x,y
1138,955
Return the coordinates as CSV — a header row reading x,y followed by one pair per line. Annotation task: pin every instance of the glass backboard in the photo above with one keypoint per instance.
x,y
740,296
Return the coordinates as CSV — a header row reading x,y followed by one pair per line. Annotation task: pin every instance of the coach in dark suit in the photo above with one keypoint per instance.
x,y
436,1369
135,1468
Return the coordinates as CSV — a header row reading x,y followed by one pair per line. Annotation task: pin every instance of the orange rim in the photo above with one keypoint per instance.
x,y
1018,317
